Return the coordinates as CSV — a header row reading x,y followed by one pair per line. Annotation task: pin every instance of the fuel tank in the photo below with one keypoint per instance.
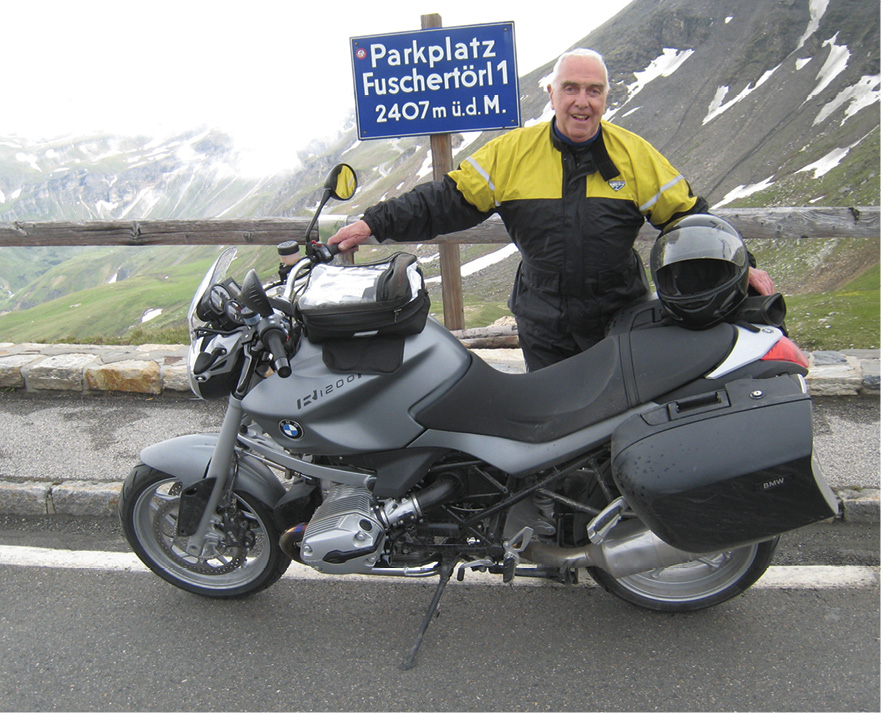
x,y
327,412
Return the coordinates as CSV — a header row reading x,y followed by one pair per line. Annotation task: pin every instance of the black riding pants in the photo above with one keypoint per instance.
x,y
554,326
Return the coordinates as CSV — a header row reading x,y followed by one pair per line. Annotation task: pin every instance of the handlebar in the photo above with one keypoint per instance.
x,y
272,334
274,338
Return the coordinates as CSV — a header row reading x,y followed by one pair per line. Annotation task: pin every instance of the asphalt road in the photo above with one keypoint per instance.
x,y
112,640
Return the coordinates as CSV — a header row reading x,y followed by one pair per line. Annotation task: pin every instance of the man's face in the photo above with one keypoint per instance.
x,y
579,98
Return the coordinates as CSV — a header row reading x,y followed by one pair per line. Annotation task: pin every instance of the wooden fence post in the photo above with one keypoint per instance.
x,y
450,261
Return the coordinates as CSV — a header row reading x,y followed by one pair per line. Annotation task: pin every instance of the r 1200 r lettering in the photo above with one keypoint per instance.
x,y
361,437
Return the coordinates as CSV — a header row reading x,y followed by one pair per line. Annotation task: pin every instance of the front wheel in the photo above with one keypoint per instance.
x,y
695,585
244,556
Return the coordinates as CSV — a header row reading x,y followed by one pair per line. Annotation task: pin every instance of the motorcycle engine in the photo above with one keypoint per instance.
x,y
344,535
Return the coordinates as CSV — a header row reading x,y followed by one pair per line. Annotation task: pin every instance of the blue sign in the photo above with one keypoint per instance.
x,y
442,80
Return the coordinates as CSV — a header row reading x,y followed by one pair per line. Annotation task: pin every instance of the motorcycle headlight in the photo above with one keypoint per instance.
x,y
214,363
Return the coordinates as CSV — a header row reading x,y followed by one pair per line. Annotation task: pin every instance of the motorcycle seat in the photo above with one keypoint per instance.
x,y
619,373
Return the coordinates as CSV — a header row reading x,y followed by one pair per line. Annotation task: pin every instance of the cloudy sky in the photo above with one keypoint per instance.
x,y
272,73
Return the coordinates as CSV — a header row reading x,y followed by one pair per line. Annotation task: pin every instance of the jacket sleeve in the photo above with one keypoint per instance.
x,y
700,206
429,210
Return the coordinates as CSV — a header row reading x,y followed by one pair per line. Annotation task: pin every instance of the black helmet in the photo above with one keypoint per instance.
x,y
701,270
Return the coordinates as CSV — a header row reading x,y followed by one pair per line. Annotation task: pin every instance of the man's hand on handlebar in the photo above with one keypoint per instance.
x,y
349,237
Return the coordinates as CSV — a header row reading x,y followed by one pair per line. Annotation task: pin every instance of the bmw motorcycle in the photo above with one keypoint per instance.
x,y
361,437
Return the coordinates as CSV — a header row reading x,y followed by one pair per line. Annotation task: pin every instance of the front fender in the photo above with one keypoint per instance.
x,y
187,458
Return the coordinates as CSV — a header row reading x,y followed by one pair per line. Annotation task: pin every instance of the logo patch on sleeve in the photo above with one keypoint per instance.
x,y
617,185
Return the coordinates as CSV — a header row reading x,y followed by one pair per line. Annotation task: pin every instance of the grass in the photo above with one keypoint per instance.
x,y
477,314
111,314
847,318
835,319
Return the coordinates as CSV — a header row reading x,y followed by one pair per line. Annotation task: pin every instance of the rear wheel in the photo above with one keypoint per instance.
x,y
243,557
695,585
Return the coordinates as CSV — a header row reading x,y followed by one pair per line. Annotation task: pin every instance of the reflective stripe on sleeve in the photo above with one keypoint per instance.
x,y
485,176
654,199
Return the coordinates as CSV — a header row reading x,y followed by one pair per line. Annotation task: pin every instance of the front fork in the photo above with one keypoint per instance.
x,y
221,469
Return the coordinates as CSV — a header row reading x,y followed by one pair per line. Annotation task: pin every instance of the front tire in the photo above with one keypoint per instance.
x,y
148,510
702,583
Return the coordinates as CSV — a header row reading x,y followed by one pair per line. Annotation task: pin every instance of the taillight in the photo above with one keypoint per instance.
x,y
786,350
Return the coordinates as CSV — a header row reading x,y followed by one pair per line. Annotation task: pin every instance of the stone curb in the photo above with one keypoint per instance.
x,y
145,369
94,498
76,498
161,369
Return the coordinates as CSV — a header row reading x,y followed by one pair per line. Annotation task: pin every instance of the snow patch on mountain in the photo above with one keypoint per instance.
x,y
835,64
744,191
664,65
832,159
817,9
481,263
719,106
29,159
859,96
150,314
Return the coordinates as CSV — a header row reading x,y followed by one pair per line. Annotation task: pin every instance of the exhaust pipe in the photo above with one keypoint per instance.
x,y
629,548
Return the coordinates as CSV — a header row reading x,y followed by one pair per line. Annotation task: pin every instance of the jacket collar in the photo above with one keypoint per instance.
x,y
601,157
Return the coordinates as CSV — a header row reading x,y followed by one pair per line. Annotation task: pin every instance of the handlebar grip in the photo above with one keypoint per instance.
x,y
273,340
323,252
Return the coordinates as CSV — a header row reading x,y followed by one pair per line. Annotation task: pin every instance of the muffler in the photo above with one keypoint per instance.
x,y
629,548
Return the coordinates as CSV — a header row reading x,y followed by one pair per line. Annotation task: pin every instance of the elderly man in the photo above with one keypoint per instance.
x,y
573,194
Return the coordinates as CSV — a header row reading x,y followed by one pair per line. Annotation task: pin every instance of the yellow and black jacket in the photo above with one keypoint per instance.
x,y
574,214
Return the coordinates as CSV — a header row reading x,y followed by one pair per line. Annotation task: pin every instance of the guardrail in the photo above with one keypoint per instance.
x,y
792,222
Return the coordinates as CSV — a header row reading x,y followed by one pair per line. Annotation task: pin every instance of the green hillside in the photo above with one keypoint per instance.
x,y
112,313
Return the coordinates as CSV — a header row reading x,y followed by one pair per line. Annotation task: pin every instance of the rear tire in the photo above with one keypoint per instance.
x,y
692,586
148,509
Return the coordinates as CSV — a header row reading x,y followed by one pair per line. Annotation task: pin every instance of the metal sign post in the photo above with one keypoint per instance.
x,y
437,82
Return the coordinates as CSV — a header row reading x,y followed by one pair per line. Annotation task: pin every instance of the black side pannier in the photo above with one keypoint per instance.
x,y
726,468
386,298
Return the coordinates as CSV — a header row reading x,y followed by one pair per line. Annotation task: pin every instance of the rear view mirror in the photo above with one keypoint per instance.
x,y
341,182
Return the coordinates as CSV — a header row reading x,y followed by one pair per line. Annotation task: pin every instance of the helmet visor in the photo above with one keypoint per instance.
x,y
694,277
698,243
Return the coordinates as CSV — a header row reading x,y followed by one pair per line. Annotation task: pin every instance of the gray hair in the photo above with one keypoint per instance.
x,y
579,52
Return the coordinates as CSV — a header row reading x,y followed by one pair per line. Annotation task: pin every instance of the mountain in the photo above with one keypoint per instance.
x,y
194,175
756,97
758,103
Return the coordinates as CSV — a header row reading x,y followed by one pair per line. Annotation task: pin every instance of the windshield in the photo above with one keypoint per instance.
x,y
216,273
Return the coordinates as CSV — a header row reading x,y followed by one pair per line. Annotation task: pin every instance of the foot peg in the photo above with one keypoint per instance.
x,y
513,548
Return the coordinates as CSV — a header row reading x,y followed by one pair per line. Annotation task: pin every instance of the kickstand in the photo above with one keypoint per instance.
x,y
446,571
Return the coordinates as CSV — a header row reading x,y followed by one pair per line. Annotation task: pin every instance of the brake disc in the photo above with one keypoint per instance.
x,y
227,559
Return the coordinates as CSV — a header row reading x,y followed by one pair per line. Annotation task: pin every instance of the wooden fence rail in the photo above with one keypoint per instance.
x,y
810,222
860,222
